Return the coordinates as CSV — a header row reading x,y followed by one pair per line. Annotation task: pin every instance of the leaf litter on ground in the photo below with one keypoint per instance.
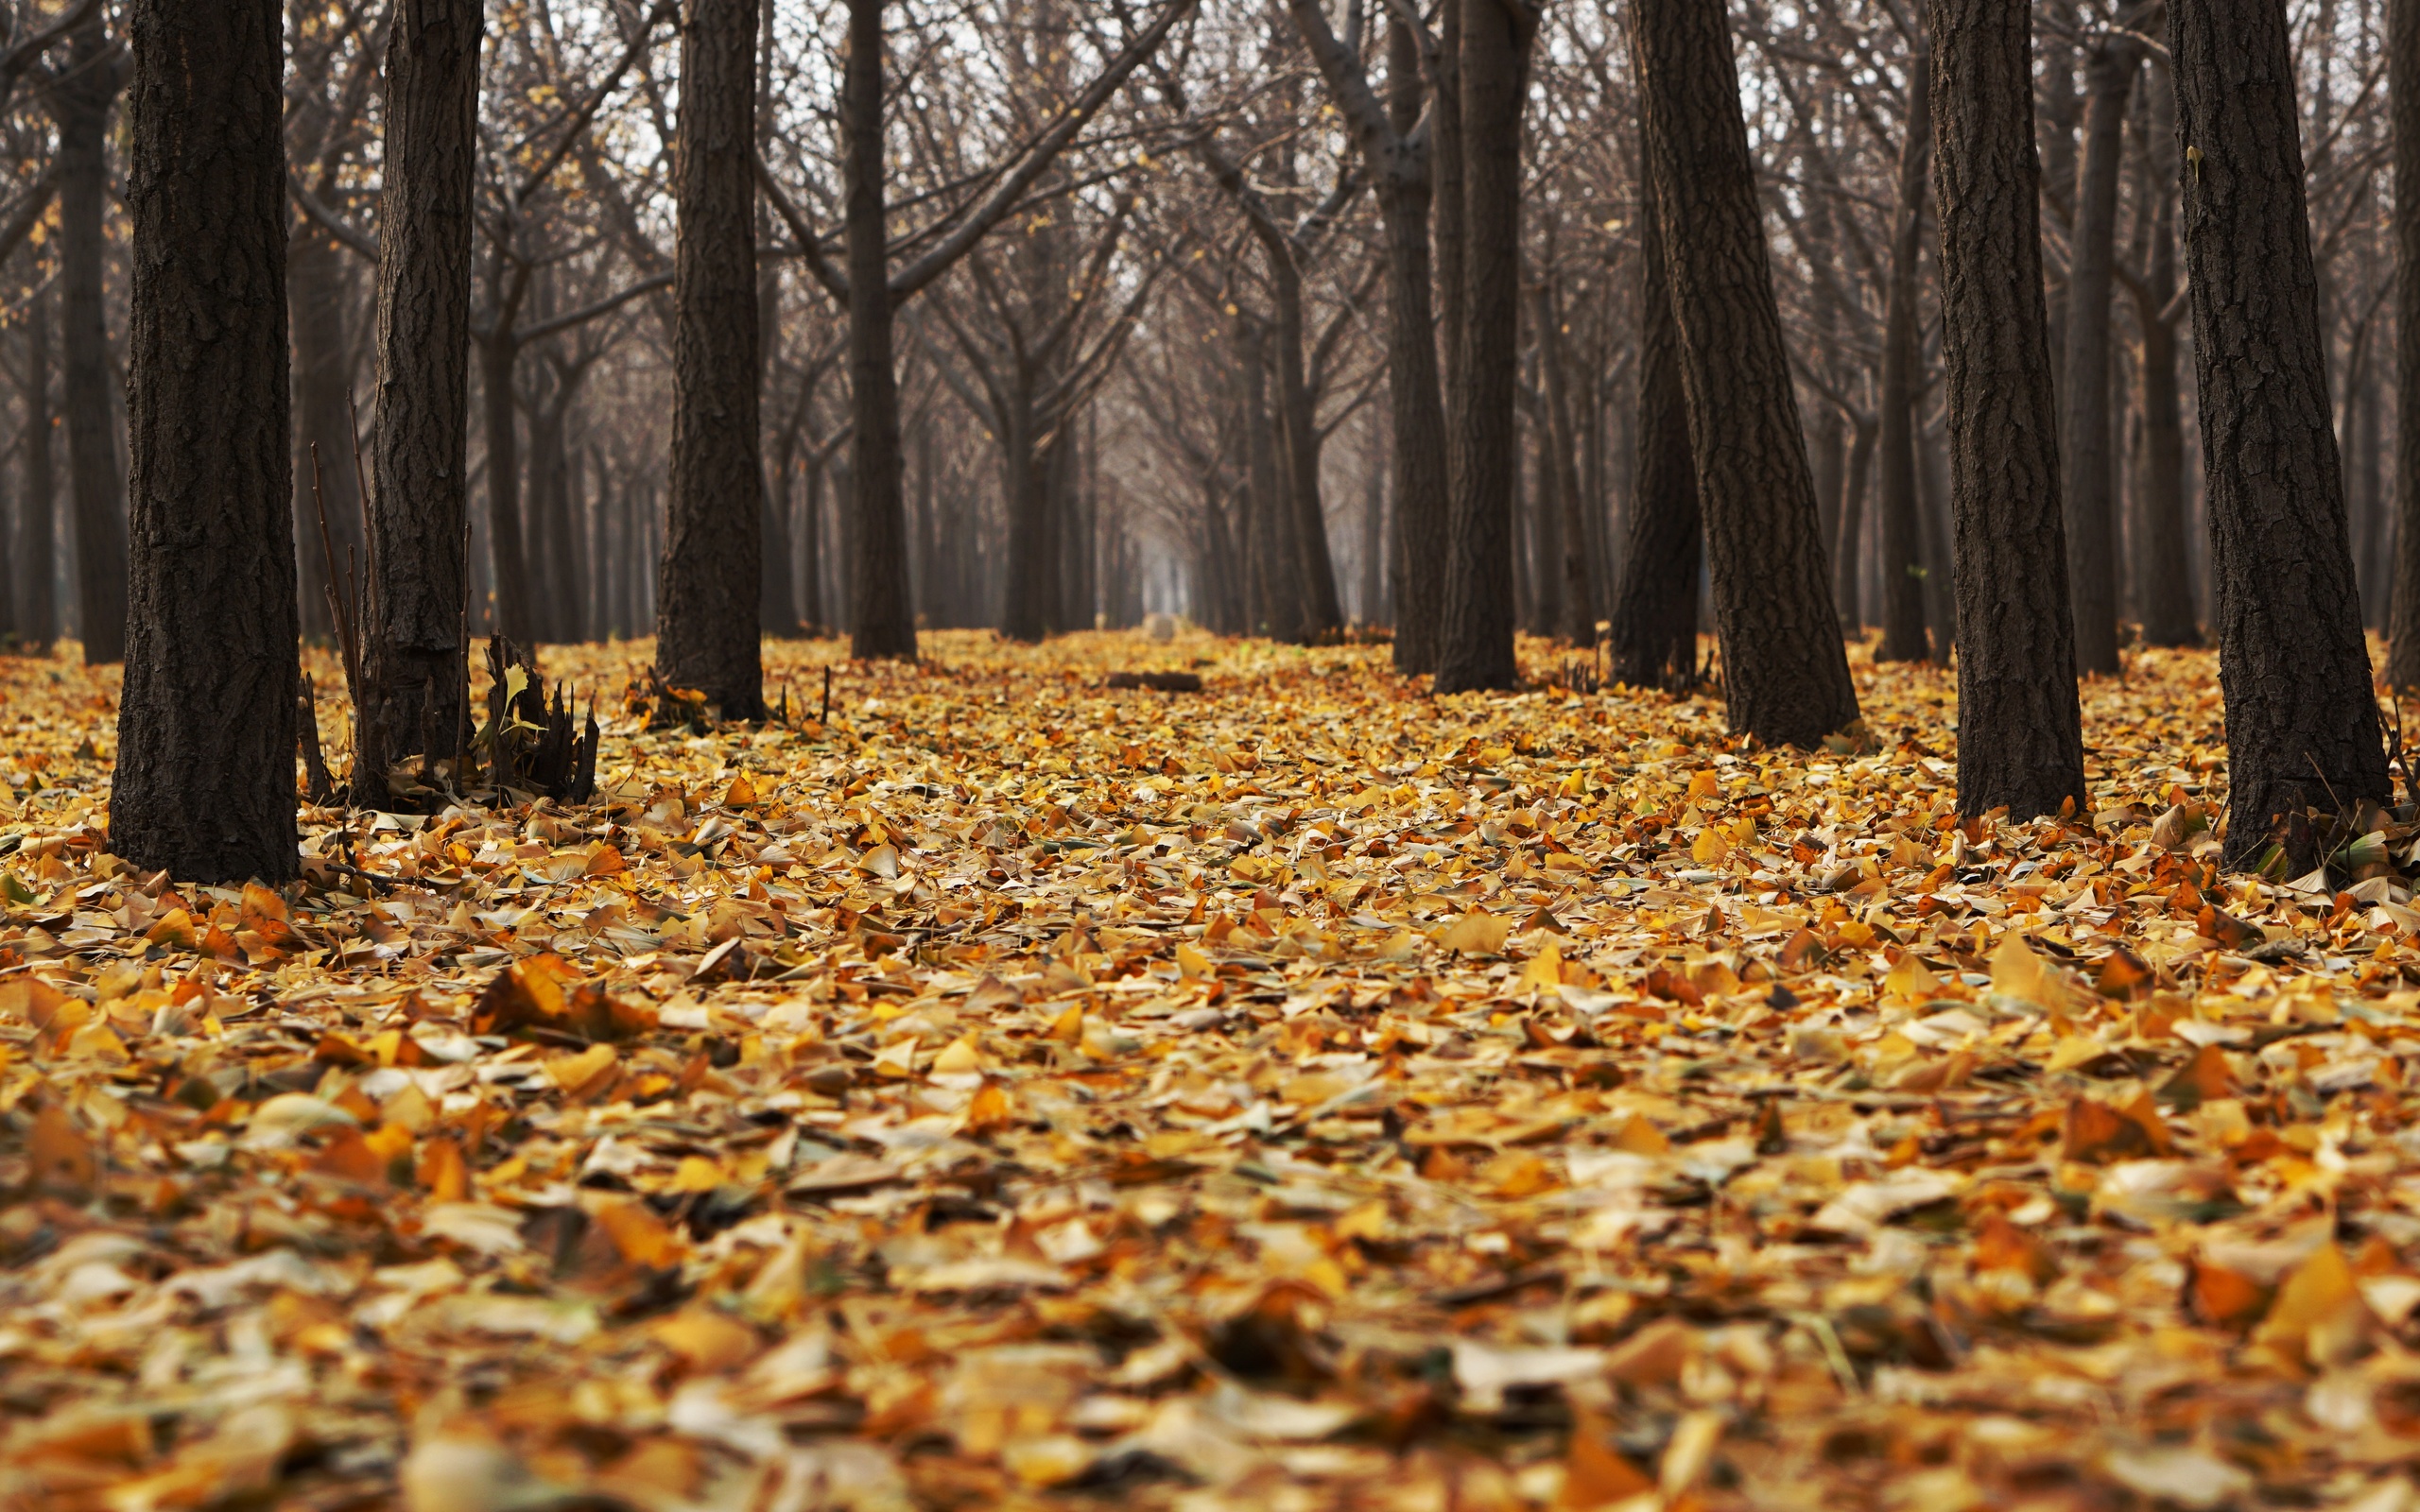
x,y
1303,1093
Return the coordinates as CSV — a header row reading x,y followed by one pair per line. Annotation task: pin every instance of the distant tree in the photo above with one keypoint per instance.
x,y
2090,476
81,95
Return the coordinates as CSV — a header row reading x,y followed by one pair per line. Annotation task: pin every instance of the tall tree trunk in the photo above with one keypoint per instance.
x,y
1270,574
1450,224
2403,103
777,598
706,612
1828,459
2083,423
1370,604
1476,650
1786,675
1903,599
1848,539
204,784
1655,604
316,292
37,506
551,507
2301,729
82,111
1320,615
2361,474
1031,608
414,658
517,607
2163,554
809,526
1577,624
1416,406
882,616
1933,513
2019,732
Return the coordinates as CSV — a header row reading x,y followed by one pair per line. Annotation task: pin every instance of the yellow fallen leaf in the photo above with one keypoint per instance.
x,y
1477,934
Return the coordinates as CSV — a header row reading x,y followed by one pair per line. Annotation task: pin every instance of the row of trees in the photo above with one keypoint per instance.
x,y
1600,314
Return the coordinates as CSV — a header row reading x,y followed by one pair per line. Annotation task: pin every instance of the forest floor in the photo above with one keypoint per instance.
x,y
1007,1092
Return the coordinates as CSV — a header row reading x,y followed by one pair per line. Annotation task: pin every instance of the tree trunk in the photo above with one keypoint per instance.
x,y
2163,554
777,597
516,606
414,659
1320,615
1849,531
1370,603
1933,514
2019,730
1577,599
1031,609
555,534
2361,473
809,526
706,614
82,112
883,617
37,506
1416,407
2084,421
1476,649
1903,599
321,375
2403,102
1786,675
2302,727
1270,575
1655,604
204,786
1451,217
1828,459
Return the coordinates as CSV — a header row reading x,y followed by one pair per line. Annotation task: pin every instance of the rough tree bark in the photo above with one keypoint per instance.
x,y
1903,583
706,604
1476,645
80,107
2301,729
1848,534
204,786
412,697
1786,674
2403,101
1655,604
2019,732
2084,420
882,621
